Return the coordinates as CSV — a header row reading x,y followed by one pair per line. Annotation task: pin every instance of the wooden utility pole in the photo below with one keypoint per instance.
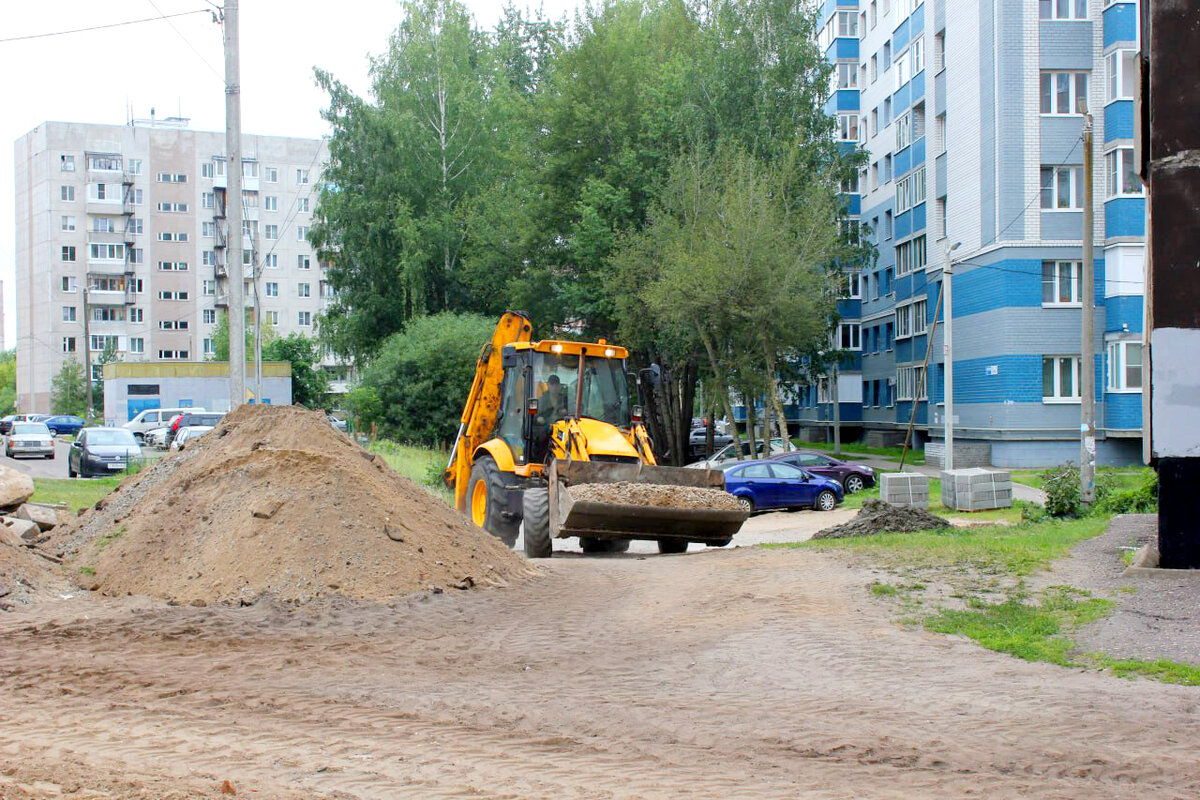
x,y
837,411
233,209
87,350
1087,358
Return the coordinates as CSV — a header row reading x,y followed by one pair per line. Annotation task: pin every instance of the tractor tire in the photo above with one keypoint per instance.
x,y
672,546
537,523
485,501
826,501
590,544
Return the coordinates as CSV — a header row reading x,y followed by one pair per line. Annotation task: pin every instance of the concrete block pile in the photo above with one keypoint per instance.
x,y
976,489
904,489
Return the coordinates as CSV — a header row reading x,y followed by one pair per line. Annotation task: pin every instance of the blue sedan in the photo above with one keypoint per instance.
x,y
64,423
759,485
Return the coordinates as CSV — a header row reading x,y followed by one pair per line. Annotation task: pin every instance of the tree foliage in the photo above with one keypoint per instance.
x,y
68,391
309,381
8,382
421,376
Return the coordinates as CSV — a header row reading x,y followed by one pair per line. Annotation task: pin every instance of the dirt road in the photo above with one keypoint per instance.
x,y
727,674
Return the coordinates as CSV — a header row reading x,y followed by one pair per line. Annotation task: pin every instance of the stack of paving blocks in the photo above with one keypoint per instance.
x,y
976,489
904,489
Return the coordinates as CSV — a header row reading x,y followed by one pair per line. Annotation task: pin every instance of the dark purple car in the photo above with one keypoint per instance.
x,y
852,477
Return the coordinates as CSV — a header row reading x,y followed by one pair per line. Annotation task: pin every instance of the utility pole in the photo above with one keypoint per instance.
x,y
948,356
233,209
837,409
87,350
1087,360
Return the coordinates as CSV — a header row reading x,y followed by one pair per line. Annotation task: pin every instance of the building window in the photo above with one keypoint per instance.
x,y
301,233
1124,366
910,191
135,286
1122,177
103,314
903,131
68,223
1122,74
135,166
137,255
1063,92
103,225
271,203
853,286
137,345
106,252
842,24
136,315
102,343
847,127
209,347
68,284
910,383
66,163
173,355
272,317
270,231
303,262
304,290
173,208
1062,9
271,261
849,334
167,236
104,163
271,174
208,258
1062,188
1060,379
209,288
301,176
134,197
302,205
304,318
1060,283
208,229
173,324
206,169
910,256
920,310
208,200
173,266
903,316
68,313
209,316
135,226
171,177
887,225
66,193
249,169
845,76
68,344
272,289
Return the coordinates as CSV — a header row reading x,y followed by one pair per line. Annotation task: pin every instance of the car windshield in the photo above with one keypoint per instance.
x,y
203,419
111,436
31,428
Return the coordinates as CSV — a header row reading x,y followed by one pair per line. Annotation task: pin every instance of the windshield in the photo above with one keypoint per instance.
x,y
605,390
31,428
107,436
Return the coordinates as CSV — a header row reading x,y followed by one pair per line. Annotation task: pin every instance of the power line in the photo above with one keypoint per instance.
x,y
187,42
161,16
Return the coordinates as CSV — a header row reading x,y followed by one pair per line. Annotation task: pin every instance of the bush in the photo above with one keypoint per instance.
x,y
1141,499
1061,485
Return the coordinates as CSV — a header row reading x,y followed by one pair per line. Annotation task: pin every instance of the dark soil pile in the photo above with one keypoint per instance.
x,y
276,502
655,494
877,516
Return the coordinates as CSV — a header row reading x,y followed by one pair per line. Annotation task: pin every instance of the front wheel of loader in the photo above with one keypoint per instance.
x,y
537,523
669,546
590,544
485,501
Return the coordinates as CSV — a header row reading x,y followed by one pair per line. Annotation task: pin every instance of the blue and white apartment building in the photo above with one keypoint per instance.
x,y
968,111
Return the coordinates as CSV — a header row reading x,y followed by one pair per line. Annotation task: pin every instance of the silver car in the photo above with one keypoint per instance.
x,y
29,439
725,456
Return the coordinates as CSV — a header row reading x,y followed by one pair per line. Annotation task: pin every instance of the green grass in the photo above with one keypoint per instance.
x,y
421,465
884,589
1120,477
75,494
1034,632
1016,550
856,448
1160,669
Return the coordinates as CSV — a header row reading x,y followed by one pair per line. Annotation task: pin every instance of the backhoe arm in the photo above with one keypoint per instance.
x,y
483,402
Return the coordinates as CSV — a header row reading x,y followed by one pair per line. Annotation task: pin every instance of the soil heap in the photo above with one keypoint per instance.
x,y
655,494
276,502
877,516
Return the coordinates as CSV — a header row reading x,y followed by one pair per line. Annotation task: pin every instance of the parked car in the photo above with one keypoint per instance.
x,y
698,440
101,451
157,437
65,423
153,418
764,484
724,457
188,434
853,477
188,419
338,424
29,439
6,423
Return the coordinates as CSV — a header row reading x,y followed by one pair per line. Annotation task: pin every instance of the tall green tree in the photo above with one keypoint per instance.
x,y
8,382
309,381
68,391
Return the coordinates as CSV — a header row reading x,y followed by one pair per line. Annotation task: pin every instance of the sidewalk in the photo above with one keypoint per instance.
x,y
1020,491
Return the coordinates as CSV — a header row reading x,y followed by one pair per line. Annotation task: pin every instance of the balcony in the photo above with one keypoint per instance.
x,y
113,206
106,268
106,297
248,184
222,300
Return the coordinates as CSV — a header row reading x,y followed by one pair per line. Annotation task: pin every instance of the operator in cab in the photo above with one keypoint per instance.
x,y
552,405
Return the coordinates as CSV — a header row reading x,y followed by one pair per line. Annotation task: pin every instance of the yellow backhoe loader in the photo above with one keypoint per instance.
x,y
544,416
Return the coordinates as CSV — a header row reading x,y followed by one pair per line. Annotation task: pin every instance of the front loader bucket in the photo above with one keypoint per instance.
x,y
571,517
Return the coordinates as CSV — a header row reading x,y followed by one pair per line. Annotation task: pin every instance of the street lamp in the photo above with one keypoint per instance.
x,y
948,356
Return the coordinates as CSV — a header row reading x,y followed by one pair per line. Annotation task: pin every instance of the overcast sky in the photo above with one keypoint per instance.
x,y
176,67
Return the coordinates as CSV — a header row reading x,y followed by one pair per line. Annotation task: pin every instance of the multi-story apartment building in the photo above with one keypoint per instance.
x,y
120,232
969,115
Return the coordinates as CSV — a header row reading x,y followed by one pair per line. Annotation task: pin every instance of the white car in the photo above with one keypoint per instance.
x,y
29,439
185,435
157,438
153,418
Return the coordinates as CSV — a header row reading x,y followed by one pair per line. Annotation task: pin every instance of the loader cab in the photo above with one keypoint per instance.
x,y
546,382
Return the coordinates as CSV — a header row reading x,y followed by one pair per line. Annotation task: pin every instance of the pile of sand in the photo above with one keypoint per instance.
x,y
655,494
276,502
877,516
26,577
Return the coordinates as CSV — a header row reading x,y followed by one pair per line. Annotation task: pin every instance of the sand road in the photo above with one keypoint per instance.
x,y
728,674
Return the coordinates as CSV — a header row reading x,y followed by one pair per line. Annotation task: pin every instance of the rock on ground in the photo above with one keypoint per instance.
x,y
877,517
15,487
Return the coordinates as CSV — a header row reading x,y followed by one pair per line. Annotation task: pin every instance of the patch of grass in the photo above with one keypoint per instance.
x,y
1128,555
76,494
422,465
108,538
1120,478
884,590
1034,632
87,570
1160,670
1017,550
856,448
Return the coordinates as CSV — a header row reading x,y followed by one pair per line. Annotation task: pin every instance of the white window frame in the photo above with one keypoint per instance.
x,y
69,314
270,203
910,191
209,316
66,193
1050,87
1052,278
271,174
304,319
911,256
1056,395
136,315
847,126
137,345
920,313
301,176
1051,189
903,317
1068,9
1119,368
1118,164
304,289
271,289
66,163
849,336
68,222
1121,73
911,385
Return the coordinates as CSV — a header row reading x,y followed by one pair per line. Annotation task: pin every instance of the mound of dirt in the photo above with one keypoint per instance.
x,y
655,494
877,516
26,577
276,502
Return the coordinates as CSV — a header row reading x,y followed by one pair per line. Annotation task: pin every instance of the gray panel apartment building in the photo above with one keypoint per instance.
x,y
969,112
124,224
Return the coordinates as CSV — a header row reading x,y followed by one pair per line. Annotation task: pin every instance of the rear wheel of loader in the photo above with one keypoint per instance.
x,y
590,544
485,501
537,523
670,546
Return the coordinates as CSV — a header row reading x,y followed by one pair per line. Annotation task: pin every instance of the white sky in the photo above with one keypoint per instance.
x,y
95,76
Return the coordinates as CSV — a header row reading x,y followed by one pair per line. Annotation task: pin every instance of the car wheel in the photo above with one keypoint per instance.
x,y
746,503
826,501
672,546
853,483
71,473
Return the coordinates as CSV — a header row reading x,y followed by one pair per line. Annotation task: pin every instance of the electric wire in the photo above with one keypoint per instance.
x,y
161,16
186,41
